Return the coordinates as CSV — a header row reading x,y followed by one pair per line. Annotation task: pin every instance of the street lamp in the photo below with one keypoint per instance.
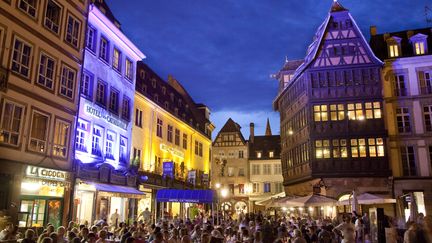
x,y
224,192
217,185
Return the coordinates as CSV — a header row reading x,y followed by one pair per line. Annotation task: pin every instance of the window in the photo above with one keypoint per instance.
x,y
177,137
403,120
320,113
425,79
279,187
109,145
400,88
82,135
340,148
104,49
322,149
258,155
409,166
61,134
241,154
170,133
393,50
86,86
266,169
185,141
38,132
101,93
373,110
159,128
97,140
126,108
200,149
230,171
278,169
11,123
138,117
427,112
419,47
52,16
123,154
21,58
241,189
267,187
137,156
46,71
231,188
358,148
129,69
241,172
255,169
91,38
337,112
114,101
116,59
376,147
256,187
355,111
29,7
67,83
271,154
166,105
72,31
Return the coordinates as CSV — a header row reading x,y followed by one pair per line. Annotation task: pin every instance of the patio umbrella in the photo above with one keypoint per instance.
x,y
308,201
354,202
368,199
413,208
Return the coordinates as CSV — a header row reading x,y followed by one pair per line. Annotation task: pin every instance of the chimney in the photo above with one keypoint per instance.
x,y
373,30
410,33
252,132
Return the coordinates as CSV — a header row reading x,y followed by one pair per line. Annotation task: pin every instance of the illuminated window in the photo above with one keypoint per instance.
x,y
322,149
399,85
97,140
241,189
427,113
82,135
230,171
38,132
373,110
86,86
177,137
255,187
138,117
355,111
376,147
116,60
255,169
393,50
337,112
185,138
159,128
104,49
129,69
320,113
419,47
170,133
358,148
271,154
137,156
109,145
67,82
266,169
101,93
340,148
21,58
61,136
52,16
403,120
91,38
114,101
46,71
11,120
29,7
123,157
73,31
258,155
409,167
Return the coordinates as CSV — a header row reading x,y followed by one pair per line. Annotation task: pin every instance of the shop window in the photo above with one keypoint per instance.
x,y
46,71
38,132
409,166
61,135
358,147
320,113
21,58
340,148
52,16
82,135
403,120
97,140
73,31
10,130
34,211
337,112
412,198
322,149
67,82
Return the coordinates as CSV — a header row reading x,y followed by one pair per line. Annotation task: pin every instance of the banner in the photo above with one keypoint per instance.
x,y
168,169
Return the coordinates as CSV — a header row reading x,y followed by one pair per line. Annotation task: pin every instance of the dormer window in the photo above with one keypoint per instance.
x,y
258,154
394,48
419,42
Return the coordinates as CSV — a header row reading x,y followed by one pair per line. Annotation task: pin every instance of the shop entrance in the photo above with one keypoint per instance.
x,y
37,212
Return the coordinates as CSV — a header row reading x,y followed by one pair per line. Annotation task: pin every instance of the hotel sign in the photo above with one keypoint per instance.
x,y
97,112
47,174
172,150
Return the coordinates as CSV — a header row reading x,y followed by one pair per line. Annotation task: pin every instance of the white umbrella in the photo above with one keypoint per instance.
x,y
368,199
354,202
307,201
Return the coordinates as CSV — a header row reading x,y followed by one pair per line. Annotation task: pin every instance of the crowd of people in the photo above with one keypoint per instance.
x,y
250,228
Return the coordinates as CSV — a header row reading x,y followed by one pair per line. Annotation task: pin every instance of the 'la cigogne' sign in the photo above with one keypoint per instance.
x,y
101,113
45,173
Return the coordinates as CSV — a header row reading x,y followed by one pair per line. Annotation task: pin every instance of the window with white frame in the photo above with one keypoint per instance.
x,y
46,71
403,120
278,169
67,82
255,187
113,101
109,145
138,117
399,85
123,158
91,38
61,137
116,60
82,134
266,169
73,31
230,171
125,108
267,187
425,79
256,169
29,7
271,154
170,133
427,113
129,69
86,86
409,167
104,49
38,132
21,58
101,93
52,16
97,140
11,122
159,128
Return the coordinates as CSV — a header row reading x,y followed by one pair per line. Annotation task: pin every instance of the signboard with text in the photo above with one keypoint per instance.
x,y
168,169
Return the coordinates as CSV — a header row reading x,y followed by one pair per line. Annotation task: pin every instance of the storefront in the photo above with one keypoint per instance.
x,y
42,196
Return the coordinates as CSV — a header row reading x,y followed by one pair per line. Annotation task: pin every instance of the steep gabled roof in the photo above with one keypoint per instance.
x,y
230,126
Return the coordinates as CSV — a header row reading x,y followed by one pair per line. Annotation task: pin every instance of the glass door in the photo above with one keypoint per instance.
x,y
35,209
54,212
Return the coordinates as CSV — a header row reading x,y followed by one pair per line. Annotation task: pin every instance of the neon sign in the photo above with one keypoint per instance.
x,y
101,113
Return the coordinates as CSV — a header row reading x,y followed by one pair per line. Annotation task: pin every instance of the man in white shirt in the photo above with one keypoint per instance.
x,y
347,229
114,219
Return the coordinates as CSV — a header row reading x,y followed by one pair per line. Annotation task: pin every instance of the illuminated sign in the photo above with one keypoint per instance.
x,y
44,173
168,169
103,114
173,151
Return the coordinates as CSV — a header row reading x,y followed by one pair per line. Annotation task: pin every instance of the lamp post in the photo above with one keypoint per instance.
x,y
217,185
224,194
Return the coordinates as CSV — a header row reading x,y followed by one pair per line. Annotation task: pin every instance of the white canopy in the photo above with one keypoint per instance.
x,y
306,201
368,199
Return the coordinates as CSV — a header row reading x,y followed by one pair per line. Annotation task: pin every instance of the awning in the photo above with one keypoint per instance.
x,y
117,189
369,199
185,196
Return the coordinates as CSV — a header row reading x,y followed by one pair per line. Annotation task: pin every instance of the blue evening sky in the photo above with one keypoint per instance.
x,y
224,51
